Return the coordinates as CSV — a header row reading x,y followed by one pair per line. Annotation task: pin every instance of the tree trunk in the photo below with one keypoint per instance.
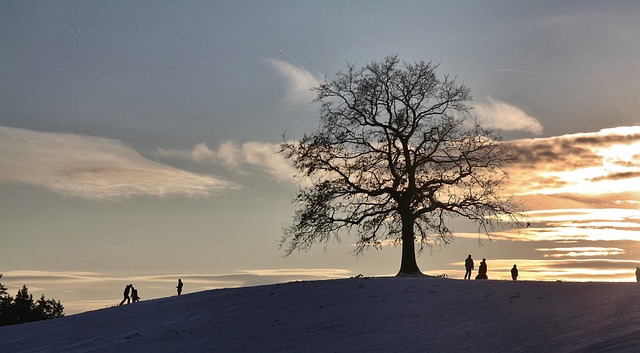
x,y
408,265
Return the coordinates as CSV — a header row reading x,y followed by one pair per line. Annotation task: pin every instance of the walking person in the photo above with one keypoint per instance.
x,y
127,290
468,265
637,274
514,273
179,286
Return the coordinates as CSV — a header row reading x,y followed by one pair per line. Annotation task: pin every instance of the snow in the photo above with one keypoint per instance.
x,y
384,314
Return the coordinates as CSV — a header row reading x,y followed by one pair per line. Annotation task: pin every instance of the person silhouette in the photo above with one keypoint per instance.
x,y
134,295
482,271
468,266
514,273
637,274
127,290
179,286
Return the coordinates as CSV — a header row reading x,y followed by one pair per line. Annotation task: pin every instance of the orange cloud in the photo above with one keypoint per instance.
x,y
580,167
586,224
583,251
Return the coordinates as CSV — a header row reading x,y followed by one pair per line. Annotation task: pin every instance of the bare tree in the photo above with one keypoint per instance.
x,y
397,156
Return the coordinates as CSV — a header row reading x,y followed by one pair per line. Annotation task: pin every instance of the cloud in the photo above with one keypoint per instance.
x,y
28,276
242,277
584,251
496,114
83,291
577,150
199,153
581,164
618,176
93,167
300,81
261,157
595,224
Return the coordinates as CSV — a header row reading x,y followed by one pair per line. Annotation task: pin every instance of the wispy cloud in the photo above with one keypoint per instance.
x,y
261,157
496,114
242,277
300,81
28,276
584,251
83,291
93,167
587,224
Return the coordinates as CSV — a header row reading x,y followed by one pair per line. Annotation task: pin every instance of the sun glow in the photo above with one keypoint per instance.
x,y
586,215
580,251
577,224
604,162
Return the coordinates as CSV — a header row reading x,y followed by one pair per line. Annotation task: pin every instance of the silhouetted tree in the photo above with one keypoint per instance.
x,y
397,156
6,306
3,289
7,316
22,308
49,308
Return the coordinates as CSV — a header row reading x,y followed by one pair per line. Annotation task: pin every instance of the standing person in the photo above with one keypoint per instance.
x,y
482,271
468,265
514,273
637,274
127,289
179,286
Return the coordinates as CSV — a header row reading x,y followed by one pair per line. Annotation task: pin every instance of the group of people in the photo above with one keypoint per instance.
x,y
134,295
131,294
482,271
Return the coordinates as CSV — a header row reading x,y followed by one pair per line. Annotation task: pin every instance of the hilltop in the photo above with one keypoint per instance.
x,y
388,314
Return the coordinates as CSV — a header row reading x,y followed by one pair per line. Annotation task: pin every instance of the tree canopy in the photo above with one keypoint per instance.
x,y
396,157
23,308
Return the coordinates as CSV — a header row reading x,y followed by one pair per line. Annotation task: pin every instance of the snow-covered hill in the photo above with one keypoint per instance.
x,y
356,315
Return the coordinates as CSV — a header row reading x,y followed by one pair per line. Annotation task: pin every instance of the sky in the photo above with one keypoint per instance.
x,y
139,140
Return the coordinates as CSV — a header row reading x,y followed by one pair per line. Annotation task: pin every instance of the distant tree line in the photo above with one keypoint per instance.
x,y
23,308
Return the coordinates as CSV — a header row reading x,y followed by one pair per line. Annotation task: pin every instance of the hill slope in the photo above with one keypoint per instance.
x,y
356,315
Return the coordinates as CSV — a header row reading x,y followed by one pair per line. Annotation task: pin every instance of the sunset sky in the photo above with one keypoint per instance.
x,y
139,139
